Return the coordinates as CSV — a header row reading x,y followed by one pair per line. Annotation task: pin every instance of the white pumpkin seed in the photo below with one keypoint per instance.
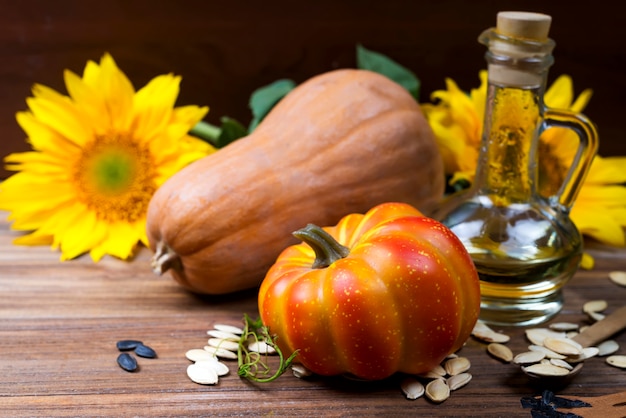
x,y
483,332
586,353
261,347
229,345
564,326
220,352
561,363
596,316
458,381
223,335
412,388
457,366
198,354
437,390
228,328
220,368
617,361
595,306
563,346
618,277
430,375
202,375
500,351
543,369
549,353
439,371
607,347
300,371
529,357
538,335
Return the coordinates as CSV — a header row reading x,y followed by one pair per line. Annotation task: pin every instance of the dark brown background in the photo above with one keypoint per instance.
x,y
225,50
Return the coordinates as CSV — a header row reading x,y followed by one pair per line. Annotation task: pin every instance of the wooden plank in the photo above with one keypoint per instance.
x,y
59,323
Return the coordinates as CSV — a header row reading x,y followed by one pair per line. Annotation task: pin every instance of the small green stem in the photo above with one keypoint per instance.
x,y
327,249
206,131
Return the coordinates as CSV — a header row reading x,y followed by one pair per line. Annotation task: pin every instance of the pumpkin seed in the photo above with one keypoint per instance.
x,y
201,374
127,362
220,368
545,369
430,375
458,381
198,354
412,388
124,345
563,346
596,316
483,332
437,390
561,363
618,277
595,306
538,335
261,347
586,353
300,371
439,371
607,347
500,351
529,357
457,365
617,361
563,326
223,335
145,351
228,328
549,353
229,345
220,352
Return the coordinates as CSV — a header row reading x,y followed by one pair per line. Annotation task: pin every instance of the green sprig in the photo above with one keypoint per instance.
x,y
252,365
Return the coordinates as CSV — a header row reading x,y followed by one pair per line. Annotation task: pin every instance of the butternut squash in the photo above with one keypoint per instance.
x,y
340,143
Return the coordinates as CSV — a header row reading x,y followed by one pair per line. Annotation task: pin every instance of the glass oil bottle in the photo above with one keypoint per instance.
x,y
524,245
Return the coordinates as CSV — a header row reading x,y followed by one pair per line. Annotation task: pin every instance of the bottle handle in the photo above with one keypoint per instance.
x,y
587,149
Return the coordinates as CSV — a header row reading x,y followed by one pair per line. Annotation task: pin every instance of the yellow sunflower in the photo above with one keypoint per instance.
x,y
600,209
97,157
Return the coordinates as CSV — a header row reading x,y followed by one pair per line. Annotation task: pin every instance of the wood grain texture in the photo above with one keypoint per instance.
x,y
225,50
59,323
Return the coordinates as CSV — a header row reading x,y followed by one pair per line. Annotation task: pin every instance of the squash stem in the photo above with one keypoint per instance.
x,y
327,249
207,132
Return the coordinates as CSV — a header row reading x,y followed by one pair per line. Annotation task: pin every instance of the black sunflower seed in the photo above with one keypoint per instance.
x,y
124,345
145,351
127,362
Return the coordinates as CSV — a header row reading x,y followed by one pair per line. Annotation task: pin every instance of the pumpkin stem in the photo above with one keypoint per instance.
x,y
327,249
164,258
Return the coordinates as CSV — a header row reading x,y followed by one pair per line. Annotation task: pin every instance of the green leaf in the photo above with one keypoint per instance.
x,y
265,98
379,63
231,131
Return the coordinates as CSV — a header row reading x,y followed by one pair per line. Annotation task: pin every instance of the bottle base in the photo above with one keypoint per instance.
x,y
520,312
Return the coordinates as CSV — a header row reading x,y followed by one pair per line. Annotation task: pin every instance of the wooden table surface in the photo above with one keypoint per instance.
x,y
59,323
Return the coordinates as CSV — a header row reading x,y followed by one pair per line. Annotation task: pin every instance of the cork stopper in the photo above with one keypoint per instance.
x,y
527,25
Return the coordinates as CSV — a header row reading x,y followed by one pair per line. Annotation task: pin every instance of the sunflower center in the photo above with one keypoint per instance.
x,y
115,178
551,170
